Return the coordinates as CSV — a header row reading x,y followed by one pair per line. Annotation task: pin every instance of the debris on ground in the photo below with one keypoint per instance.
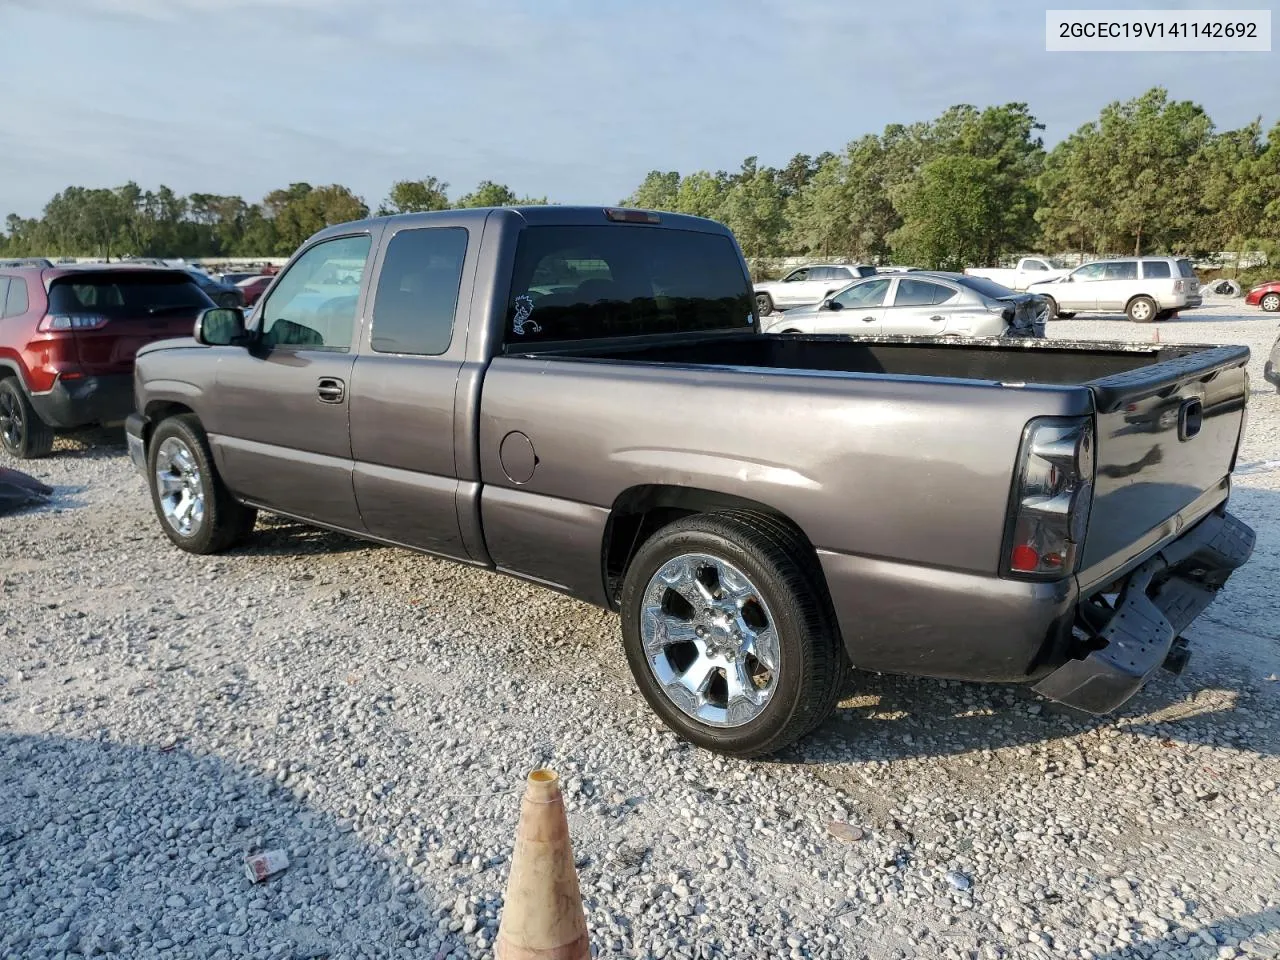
x,y
18,490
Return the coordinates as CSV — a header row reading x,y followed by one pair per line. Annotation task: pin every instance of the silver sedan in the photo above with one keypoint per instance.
x,y
919,304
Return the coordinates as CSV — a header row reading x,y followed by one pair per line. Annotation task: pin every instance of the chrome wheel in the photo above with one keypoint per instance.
x,y
1271,302
11,425
710,640
179,487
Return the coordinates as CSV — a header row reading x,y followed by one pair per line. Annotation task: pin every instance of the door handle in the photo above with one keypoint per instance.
x,y
936,319
331,390
868,319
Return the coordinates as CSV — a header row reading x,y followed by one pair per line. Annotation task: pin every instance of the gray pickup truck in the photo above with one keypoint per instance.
x,y
582,398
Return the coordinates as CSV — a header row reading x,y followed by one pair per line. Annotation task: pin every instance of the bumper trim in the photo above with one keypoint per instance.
x,y
1140,634
135,431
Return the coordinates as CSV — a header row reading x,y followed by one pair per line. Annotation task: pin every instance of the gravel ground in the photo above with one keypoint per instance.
x,y
373,713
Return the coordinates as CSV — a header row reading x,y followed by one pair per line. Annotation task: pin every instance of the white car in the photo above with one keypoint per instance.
x,y
1028,271
919,303
1144,288
807,285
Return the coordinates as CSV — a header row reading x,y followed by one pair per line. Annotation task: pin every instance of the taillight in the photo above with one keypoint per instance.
x,y
1052,494
71,321
619,215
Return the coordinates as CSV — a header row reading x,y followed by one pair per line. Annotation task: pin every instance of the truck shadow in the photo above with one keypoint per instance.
x,y
1263,927
277,536
125,847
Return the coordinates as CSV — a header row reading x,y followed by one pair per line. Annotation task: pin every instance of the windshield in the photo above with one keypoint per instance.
x,y
124,294
988,288
587,282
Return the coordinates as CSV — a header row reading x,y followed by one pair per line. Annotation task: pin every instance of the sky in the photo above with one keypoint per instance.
x,y
572,99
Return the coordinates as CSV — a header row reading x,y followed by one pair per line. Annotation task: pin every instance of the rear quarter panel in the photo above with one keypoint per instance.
x,y
915,470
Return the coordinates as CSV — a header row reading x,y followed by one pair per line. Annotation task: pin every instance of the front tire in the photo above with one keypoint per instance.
x,y
730,635
22,433
195,509
1141,310
1051,312
1270,303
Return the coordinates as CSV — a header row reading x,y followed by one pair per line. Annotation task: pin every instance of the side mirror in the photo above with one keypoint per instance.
x,y
220,326
829,304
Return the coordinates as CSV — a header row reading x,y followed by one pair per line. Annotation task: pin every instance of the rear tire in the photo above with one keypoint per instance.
x,y
22,433
1270,303
758,589
764,304
1141,310
196,510
1052,313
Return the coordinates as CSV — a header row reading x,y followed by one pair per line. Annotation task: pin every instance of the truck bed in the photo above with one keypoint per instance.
x,y
1049,362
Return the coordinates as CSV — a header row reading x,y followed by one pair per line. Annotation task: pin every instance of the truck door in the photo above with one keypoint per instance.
x,y
402,404
280,432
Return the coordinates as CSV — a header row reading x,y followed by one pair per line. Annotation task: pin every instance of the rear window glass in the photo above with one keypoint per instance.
x,y
988,288
1155,269
16,303
1186,269
126,295
587,282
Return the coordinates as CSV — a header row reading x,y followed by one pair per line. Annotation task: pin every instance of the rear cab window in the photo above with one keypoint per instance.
x,y
592,282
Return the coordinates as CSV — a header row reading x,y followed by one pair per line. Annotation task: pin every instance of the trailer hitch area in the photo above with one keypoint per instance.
x,y
1179,654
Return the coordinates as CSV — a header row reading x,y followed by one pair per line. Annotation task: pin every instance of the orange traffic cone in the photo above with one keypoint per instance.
x,y
542,916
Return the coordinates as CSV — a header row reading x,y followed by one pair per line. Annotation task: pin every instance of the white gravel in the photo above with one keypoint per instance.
x,y
373,713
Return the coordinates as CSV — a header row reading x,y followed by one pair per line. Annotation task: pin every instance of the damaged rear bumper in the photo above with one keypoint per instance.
x,y
1129,639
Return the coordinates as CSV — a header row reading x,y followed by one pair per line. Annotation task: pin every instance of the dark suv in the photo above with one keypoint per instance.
x,y
68,336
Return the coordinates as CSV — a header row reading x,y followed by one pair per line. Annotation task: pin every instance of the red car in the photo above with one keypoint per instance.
x,y
1266,296
254,288
68,337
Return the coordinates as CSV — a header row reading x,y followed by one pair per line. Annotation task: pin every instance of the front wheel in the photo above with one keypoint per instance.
x,y
22,433
729,633
196,510
1270,303
1141,310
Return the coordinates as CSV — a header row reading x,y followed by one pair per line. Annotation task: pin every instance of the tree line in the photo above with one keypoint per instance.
x,y
1149,175
130,221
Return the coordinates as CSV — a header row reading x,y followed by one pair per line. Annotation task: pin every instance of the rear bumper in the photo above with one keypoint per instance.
x,y
78,403
1156,602
921,621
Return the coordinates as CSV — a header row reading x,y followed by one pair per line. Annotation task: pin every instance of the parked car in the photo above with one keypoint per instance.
x,y
1266,296
68,336
762,510
807,285
1144,288
223,294
253,288
25,262
920,303
1028,271
234,279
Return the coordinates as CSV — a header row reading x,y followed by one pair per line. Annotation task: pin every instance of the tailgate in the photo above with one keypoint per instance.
x,y
1166,441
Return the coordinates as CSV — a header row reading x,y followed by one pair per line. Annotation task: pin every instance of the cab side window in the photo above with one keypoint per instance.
x,y
314,304
417,297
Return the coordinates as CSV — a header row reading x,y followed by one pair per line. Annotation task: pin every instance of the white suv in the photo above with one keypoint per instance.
x,y
1145,288
808,284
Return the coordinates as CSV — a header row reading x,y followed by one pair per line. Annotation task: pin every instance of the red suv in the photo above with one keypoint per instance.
x,y
68,336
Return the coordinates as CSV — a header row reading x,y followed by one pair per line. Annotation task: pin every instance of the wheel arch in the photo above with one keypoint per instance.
x,y
642,510
157,411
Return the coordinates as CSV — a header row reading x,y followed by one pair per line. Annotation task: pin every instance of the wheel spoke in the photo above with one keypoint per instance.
x,y
763,646
740,685
682,576
698,675
663,630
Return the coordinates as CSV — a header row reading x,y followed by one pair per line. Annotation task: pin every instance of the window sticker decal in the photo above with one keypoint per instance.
x,y
524,310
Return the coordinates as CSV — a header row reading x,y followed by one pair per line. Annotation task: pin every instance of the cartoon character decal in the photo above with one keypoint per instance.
x,y
524,310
